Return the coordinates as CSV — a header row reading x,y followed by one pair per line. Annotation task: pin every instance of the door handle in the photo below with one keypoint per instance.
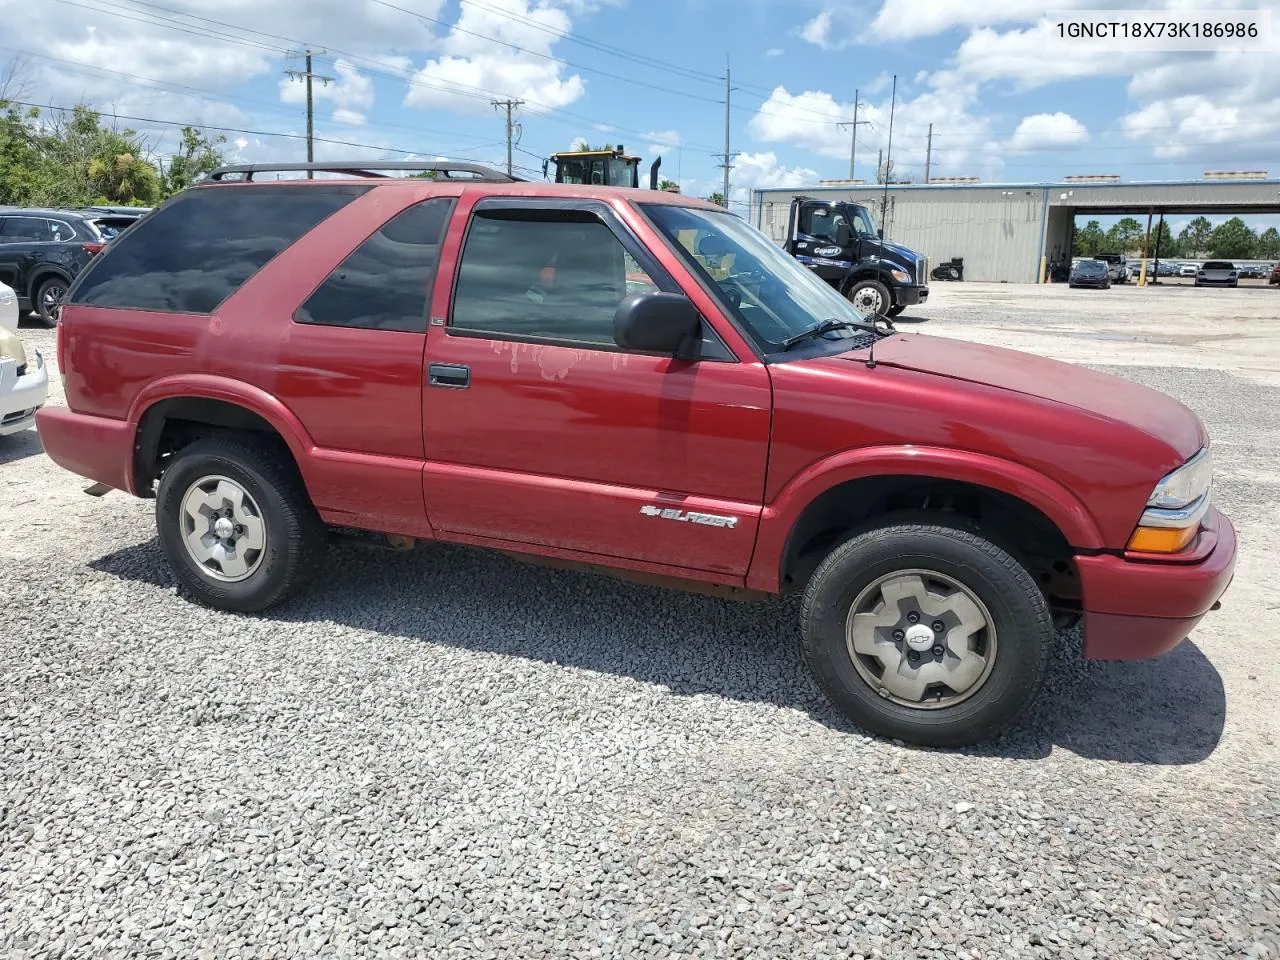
x,y
448,375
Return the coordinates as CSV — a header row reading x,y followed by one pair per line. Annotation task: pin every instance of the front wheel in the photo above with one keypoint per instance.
x,y
926,633
236,524
870,298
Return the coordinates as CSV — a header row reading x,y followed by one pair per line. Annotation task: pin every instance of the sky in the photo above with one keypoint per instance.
x,y
416,78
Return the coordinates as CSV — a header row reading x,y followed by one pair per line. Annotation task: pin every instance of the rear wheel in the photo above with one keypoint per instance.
x,y
926,633
236,524
48,300
870,298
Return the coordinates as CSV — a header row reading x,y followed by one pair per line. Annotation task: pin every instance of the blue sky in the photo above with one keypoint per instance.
x,y
415,77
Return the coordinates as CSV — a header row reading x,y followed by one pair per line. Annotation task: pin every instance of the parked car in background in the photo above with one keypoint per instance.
x,y
24,381
1166,268
460,360
1217,273
1274,279
1188,270
1090,273
42,251
112,221
1117,266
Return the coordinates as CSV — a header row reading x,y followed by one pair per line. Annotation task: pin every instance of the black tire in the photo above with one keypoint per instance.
x,y
295,537
865,290
1018,611
896,311
953,273
51,289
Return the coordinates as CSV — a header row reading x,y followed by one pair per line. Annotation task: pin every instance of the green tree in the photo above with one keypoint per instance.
x,y
1125,236
717,199
1268,244
670,186
1233,240
1164,242
198,154
1090,240
1194,237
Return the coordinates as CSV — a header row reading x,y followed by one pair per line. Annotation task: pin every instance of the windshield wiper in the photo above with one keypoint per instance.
x,y
831,323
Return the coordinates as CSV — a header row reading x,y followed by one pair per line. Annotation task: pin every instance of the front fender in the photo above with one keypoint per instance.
x,y
779,518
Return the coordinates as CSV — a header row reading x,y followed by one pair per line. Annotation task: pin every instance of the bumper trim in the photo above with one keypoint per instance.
x,y
1139,608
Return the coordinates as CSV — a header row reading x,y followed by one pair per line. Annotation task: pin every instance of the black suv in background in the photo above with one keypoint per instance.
x,y
42,251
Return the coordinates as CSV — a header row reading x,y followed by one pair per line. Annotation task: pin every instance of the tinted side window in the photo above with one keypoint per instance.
x,y
544,274
17,229
59,230
384,284
195,252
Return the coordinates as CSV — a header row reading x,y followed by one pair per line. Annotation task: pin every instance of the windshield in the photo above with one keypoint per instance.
x,y
1091,266
858,219
773,296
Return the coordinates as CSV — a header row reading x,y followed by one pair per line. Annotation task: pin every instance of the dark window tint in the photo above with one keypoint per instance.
x,y
194,253
26,228
384,284
60,230
546,274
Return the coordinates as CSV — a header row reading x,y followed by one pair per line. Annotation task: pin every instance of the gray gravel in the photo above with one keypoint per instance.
x,y
450,754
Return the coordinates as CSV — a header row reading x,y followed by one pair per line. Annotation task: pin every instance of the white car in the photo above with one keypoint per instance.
x,y
24,378
1188,270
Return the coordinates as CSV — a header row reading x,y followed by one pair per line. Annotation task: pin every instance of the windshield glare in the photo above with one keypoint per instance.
x,y
753,278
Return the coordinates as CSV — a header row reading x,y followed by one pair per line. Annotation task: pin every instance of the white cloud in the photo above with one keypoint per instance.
x,y
963,145
774,52
1045,131
468,62
662,141
817,31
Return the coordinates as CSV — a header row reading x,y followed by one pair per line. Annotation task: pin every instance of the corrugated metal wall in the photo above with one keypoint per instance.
x,y
997,232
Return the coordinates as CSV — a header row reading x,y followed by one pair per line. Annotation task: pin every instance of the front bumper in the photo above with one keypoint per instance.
x,y
1209,282
1137,606
22,396
908,296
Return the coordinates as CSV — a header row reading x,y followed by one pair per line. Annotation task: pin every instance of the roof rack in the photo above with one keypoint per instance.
x,y
446,168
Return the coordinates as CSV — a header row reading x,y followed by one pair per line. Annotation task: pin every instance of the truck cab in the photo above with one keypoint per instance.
x,y
840,243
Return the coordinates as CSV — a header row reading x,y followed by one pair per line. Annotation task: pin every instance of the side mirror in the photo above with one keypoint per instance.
x,y
656,323
844,235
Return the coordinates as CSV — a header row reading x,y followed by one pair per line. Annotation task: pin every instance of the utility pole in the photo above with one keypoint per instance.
x,y
727,157
853,143
308,76
928,154
881,173
512,126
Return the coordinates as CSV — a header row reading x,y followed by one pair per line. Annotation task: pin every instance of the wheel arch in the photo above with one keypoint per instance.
x,y
837,496
42,272
173,410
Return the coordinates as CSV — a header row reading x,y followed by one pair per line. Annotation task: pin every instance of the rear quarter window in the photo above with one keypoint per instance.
x,y
195,252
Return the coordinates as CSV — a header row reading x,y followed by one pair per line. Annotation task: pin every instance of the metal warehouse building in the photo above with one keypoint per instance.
x,y
1003,230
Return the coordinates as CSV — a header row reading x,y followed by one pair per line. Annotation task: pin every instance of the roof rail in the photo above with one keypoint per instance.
x,y
360,169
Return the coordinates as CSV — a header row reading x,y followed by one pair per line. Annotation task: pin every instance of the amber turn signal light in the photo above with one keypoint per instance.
x,y
1162,539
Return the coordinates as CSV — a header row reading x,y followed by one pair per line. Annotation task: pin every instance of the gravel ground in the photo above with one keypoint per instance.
x,y
447,753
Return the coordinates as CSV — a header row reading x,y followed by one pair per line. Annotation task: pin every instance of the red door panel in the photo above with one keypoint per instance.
x,y
564,446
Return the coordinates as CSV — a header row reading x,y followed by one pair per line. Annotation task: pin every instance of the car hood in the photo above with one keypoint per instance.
x,y
1154,413
11,347
904,254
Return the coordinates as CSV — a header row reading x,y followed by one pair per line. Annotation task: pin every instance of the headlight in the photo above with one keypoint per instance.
x,y
901,276
1175,508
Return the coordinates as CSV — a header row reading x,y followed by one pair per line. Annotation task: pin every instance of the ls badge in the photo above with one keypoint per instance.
x,y
689,516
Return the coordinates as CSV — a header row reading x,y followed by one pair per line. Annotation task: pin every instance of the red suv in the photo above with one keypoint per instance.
x,y
637,381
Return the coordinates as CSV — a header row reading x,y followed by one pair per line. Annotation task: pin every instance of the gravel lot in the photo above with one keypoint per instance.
x,y
451,754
